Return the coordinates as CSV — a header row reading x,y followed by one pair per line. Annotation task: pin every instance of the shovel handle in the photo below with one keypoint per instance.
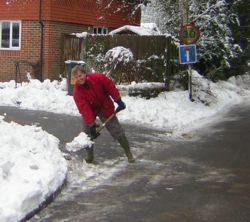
x,y
104,124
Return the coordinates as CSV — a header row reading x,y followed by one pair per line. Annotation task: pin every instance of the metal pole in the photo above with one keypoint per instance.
x,y
184,11
190,83
185,20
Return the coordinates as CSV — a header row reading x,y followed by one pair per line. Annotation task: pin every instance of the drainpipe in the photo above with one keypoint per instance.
x,y
41,42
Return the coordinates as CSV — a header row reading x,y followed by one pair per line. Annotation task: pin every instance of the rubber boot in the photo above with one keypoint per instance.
x,y
90,155
125,145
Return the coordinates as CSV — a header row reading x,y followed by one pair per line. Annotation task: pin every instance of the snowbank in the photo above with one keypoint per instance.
x,y
170,111
31,169
175,113
47,96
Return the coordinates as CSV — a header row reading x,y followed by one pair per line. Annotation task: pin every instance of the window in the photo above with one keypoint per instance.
x,y
100,30
10,34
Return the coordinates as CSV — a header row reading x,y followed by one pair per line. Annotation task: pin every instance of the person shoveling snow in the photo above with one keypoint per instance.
x,y
92,93
83,141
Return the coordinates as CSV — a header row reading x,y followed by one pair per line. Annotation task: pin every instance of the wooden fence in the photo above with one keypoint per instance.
x,y
155,57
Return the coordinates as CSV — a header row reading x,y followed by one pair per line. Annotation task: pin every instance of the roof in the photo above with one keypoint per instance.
x,y
83,12
144,30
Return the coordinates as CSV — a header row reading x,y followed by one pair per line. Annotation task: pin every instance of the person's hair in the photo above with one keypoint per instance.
x,y
78,68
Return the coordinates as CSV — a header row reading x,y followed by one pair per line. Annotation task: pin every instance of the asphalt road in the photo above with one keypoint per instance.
x,y
202,177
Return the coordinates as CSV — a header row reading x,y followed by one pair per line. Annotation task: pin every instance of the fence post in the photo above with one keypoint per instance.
x,y
169,63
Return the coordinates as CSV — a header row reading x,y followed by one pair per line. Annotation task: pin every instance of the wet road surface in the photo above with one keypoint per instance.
x,y
202,177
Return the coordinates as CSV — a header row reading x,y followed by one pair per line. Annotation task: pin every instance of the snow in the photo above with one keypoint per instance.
x,y
152,28
146,85
36,95
81,35
169,111
215,19
79,62
175,113
145,29
118,55
31,169
79,142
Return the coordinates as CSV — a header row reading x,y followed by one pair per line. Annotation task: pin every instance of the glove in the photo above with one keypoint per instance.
x,y
92,129
121,105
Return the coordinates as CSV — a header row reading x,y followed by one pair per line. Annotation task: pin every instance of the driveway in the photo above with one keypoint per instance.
x,y
203,176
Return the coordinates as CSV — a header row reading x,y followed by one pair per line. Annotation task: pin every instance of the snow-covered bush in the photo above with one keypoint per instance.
x,y
118,57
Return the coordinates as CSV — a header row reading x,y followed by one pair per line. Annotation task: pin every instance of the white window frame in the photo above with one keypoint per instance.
x,y
11,34
102,30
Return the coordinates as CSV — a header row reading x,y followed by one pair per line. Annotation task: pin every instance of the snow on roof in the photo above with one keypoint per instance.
x,y
152,28
80,35
78,62
144,29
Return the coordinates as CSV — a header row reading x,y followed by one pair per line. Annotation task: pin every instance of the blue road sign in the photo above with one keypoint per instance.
x,y
187,54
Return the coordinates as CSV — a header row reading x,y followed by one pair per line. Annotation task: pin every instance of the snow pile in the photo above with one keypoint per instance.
x,y
79,142
31,169
242,81
175,113
36,95
202,89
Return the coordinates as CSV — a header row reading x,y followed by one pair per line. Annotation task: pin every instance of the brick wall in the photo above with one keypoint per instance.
x,y
28,54
53,37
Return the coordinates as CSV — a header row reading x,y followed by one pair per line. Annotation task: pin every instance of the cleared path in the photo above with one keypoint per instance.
x,y
203,179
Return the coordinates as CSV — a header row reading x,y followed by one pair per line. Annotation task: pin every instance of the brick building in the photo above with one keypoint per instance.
x,y
31,31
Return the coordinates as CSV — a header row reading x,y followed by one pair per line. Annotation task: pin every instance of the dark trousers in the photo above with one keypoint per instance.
x,y
113,126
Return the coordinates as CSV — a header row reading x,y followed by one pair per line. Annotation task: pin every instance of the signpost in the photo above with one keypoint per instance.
x,y
188,55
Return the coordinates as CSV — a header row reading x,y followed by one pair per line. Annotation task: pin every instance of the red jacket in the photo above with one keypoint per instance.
x,y
93,98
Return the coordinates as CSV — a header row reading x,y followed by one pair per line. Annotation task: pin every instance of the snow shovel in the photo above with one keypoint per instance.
x,y
77,143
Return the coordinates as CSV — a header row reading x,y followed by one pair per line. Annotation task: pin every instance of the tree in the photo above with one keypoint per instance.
x,y
215,19
124,5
